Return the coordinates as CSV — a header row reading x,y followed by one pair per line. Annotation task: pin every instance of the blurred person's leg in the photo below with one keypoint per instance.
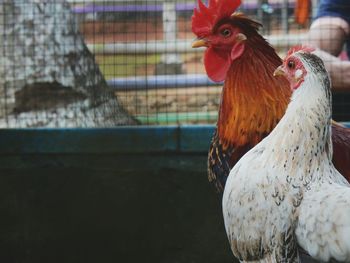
x,y
329,35
339,70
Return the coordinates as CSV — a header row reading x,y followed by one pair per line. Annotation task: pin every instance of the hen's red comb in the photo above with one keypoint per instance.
x,y
205,17
304,48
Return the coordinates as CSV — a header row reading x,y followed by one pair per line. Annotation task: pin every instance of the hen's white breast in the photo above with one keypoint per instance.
x,y
256,205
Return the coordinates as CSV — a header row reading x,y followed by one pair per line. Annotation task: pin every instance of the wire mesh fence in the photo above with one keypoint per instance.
x,y
87,63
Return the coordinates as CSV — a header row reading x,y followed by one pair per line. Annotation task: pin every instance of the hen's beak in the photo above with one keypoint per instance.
x,y
200,42
279,71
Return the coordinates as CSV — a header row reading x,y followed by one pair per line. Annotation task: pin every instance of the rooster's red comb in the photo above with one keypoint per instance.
x,y
303,48
205,17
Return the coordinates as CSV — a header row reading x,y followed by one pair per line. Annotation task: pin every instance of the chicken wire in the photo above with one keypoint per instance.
x,y
107,63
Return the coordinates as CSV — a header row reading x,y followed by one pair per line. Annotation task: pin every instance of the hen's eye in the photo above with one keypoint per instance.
x,y
291,64
226,32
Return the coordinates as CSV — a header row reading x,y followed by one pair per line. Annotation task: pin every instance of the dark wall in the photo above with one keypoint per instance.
x,y
134,194
89,207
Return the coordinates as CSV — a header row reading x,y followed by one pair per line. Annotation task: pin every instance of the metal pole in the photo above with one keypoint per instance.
x,y
260,11
170,30
284,14
314,8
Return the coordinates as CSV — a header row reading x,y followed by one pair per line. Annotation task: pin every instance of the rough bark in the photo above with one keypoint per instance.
x,y
48,77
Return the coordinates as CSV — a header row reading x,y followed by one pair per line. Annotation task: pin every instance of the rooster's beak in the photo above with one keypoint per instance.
x,y
279,71
241,37
200,42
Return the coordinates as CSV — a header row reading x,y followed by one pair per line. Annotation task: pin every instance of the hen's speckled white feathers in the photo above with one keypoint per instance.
x,y
323,228
286,192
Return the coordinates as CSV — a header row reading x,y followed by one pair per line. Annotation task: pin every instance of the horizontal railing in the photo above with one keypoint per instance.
x,y
181,46
120,140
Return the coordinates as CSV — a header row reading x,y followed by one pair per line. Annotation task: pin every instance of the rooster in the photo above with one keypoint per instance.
x,y
285,193
252,100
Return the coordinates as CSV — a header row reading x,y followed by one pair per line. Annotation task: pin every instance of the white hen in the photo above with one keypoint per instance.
x,y
285,193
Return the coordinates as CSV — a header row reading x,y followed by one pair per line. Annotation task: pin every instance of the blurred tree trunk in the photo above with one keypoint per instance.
x,y
48,77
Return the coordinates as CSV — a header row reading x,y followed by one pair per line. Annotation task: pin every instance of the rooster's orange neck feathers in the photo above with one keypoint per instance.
x,y
249,110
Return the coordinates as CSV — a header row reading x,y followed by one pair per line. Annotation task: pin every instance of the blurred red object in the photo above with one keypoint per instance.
x,y
302,11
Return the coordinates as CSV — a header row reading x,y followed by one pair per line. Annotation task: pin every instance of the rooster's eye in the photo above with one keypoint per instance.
x,y
226,32
291,64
